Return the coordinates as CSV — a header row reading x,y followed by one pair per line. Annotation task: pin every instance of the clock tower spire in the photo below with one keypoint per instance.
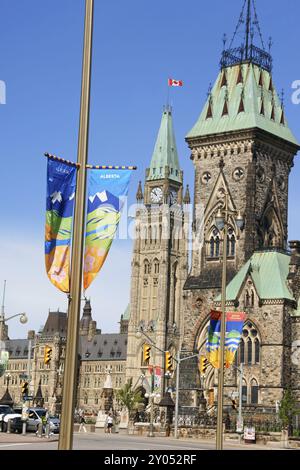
x,y
160,260
164,176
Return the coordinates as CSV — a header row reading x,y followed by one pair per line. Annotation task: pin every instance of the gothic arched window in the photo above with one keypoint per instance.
x,y
147,267
254,392
252,344
257,350
231,242
242,352
156,266
249,351
244,392
252,298
214,243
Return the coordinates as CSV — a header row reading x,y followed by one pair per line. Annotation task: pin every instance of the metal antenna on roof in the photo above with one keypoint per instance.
x,y
248,24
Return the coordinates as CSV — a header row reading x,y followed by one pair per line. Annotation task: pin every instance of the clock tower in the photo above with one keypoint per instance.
x,y
160,260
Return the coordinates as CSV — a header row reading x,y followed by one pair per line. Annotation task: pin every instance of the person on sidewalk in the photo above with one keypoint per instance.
x,y
82,423
110,423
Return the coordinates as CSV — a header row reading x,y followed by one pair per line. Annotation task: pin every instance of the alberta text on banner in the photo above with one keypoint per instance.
x,y
106,192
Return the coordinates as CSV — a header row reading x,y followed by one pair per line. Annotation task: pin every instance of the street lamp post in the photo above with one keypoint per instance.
x,y
3,320
222,221
70,373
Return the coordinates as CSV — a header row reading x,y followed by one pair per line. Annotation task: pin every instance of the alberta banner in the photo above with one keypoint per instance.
x,y
107,189
234,326
61,185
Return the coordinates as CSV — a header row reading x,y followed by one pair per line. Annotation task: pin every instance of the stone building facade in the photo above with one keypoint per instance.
x,y
243,151
99,355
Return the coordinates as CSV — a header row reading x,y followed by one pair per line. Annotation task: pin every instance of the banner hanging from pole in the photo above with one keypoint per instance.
x,y
107,189
61,185
234,327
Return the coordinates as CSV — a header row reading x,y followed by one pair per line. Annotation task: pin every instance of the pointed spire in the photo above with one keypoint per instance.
x,y
165,162
282,119
187,197
139,193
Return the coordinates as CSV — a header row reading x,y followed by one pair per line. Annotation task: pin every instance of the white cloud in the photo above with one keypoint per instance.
x,y
29,290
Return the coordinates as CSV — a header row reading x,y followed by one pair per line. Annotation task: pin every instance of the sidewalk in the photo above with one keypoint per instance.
x,y
29,438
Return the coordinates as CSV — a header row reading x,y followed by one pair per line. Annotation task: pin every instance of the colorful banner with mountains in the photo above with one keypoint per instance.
x,y
61,183
106,192
234,327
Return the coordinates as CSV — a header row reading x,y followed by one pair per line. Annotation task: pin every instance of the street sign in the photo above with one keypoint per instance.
x,y
235,394
249,435
28,397
23,376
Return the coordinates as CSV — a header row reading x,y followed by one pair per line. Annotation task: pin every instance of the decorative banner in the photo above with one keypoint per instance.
x,y
61,185
4,357
157,373
106,191
234,326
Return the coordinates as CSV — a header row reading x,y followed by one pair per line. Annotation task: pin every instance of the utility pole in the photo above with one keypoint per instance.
x,y
177,395
70,372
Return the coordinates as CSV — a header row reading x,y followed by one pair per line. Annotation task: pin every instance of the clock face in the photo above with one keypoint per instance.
x,y
173,197
156,195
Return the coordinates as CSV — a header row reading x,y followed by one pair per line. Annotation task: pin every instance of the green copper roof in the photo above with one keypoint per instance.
x,y
269,271
126,314
252,102
165,152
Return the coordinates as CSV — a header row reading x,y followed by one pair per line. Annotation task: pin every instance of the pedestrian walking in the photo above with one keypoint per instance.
x,y
110,423
82,423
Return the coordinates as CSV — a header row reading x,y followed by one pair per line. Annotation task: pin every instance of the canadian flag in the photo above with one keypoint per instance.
x,y
175,82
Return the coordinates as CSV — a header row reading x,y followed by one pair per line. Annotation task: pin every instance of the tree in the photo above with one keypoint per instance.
x,y
129,397
288,409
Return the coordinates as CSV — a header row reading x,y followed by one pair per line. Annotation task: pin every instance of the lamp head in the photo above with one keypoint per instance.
x,y
23,318
220,221
240,222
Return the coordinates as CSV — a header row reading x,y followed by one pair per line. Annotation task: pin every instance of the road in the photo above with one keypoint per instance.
x,y
101,441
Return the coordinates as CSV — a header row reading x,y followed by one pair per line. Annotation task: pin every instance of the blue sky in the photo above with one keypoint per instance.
x,y
137,46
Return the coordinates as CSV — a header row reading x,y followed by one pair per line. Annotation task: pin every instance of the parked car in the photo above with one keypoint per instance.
x,y
7,413
35,416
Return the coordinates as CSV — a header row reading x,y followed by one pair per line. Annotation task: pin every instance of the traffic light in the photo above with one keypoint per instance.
x,y
146,352
233,404
24,388
47,354
168,361
203,365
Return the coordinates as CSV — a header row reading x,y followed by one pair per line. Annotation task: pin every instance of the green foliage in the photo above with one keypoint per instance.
x,y
129,397
288,408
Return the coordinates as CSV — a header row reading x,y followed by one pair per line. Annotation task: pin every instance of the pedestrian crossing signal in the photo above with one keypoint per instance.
x,y
203,365
47,354
146,353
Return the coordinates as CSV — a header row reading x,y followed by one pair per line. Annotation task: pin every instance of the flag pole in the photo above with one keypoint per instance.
x,y
71,359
